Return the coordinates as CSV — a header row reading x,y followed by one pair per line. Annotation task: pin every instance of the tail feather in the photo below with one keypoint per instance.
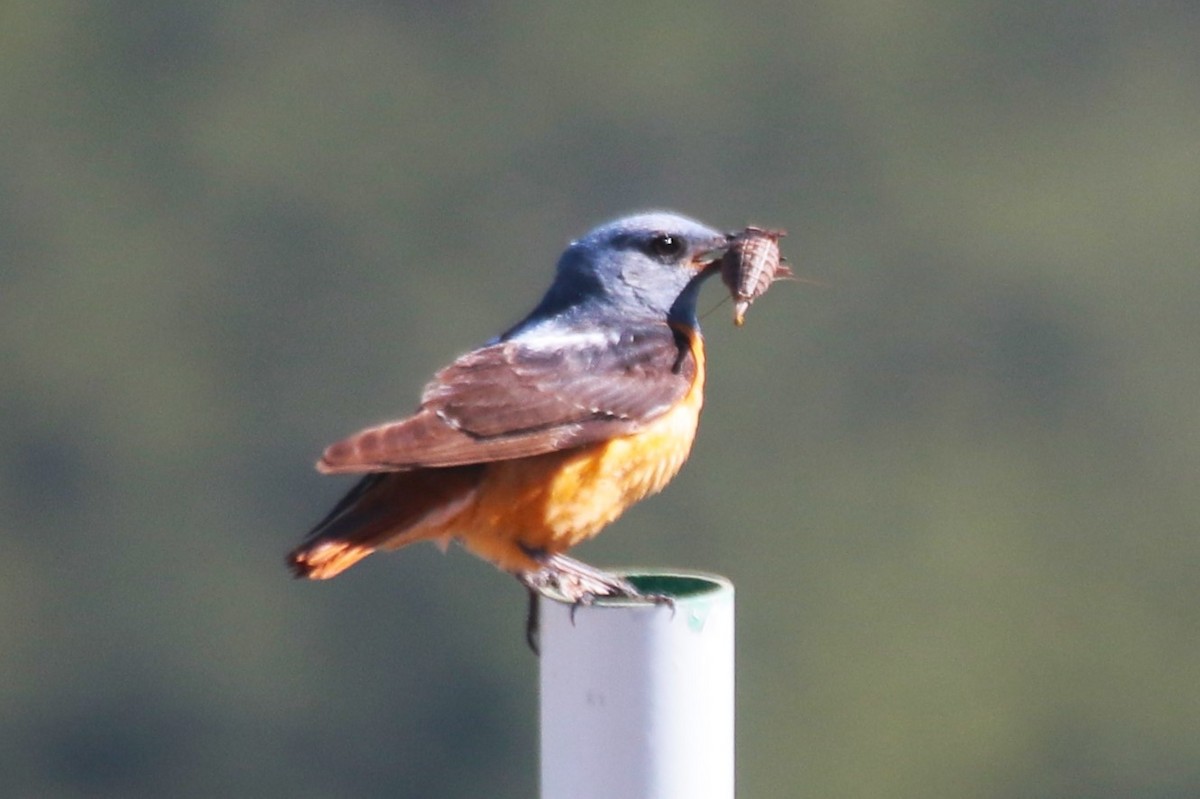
x,y
383,510
326,559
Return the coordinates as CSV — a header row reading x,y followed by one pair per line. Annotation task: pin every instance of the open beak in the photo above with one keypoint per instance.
x,y
709,257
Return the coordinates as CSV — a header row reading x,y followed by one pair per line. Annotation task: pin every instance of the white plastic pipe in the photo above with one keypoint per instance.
x,y
637,699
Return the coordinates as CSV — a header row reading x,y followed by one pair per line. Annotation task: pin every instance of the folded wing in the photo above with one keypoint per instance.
x,y
528,396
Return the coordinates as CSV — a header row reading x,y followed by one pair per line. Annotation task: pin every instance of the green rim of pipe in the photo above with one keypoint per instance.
x,y
678,586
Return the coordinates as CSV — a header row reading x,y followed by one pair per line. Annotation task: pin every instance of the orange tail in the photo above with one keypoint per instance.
x,y
383,510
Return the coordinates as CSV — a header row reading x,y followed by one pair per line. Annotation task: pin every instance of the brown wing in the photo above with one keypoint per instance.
x,y
528,396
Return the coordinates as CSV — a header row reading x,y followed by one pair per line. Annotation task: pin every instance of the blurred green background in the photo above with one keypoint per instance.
x,y
955,478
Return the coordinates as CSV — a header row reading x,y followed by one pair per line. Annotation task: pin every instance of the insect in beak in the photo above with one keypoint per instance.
x,y
750,265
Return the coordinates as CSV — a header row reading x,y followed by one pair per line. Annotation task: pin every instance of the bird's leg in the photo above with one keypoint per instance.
x,y
598,583
570,579
576,582
533,626
595,583
573,580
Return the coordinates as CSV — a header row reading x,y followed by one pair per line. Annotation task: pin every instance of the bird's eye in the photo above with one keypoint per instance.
x,y
667,247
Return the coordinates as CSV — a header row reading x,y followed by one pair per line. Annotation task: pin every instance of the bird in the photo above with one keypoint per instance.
x,y
544,435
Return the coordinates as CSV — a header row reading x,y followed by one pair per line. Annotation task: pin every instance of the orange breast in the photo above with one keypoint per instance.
x,y
552,502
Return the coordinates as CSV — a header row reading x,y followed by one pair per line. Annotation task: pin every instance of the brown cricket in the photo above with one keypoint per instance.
x,y
750,265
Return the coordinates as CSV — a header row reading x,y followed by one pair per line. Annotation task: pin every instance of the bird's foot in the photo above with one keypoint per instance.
x,y
575,582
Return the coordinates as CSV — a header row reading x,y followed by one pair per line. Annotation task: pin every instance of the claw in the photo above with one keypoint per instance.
x,y
581,601
533,627
662,599
573,581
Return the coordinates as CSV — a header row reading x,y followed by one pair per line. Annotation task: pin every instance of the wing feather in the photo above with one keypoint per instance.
x,y
524,397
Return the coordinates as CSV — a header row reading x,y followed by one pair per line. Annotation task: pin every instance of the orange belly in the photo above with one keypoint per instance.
x,y
552,502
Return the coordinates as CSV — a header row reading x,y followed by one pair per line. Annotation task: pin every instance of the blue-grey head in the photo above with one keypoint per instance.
x,y
647,266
